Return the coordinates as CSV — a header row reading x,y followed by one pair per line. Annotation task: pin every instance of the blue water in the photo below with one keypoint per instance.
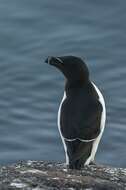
x,y
30,90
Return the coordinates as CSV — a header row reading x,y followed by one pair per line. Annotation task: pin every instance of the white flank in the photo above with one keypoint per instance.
x,y
59,112
102,126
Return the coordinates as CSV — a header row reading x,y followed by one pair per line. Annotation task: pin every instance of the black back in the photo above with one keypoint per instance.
x,y
81,113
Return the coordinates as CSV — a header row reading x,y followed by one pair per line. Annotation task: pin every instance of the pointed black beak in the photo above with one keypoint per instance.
x,y
48,60
56,61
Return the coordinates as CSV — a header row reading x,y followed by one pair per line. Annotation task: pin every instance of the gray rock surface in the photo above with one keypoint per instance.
x,y
39,175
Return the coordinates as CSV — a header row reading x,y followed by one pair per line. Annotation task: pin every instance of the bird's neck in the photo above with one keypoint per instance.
x,y
74,85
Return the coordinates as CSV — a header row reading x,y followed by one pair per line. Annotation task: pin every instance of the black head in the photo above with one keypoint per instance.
x,y
73,68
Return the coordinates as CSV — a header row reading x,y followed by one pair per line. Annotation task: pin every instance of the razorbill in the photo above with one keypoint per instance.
x,y
82,112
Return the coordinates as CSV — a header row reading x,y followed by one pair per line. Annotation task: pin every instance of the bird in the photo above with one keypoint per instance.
x,y
82,112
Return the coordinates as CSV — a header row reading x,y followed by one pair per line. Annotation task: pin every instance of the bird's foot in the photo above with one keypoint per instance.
x,y
93,163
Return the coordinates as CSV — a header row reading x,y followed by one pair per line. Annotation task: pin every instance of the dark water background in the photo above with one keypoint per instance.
x,y
30,90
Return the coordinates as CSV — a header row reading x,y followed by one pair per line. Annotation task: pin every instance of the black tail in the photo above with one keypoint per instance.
x,y
77,165
78,152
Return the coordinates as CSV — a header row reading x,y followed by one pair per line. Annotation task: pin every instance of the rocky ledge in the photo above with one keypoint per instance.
x,y
39,175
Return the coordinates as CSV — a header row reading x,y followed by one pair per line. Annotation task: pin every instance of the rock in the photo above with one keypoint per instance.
x,y
39,175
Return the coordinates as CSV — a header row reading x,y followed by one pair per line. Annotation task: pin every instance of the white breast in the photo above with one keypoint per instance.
x,y
102,126
59,112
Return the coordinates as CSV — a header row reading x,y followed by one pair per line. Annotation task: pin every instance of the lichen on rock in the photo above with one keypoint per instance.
x,y
39,175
